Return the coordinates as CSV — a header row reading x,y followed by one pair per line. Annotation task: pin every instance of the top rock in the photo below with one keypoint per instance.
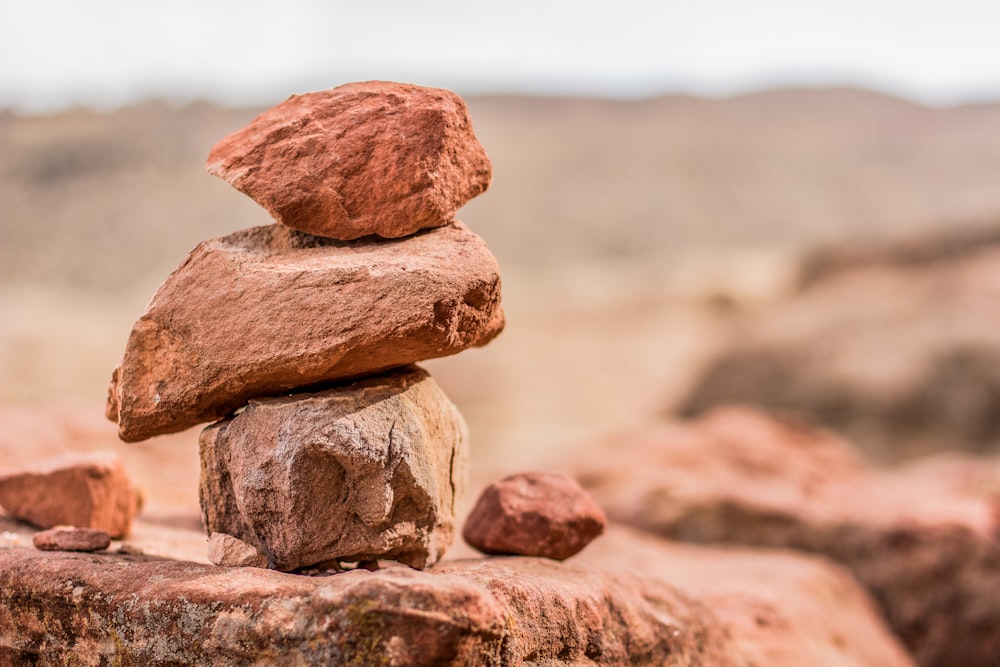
x,y
366,158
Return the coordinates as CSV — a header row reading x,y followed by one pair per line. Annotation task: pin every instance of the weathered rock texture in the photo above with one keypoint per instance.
x,y
778,608
534,514
85,490
898,352
923,539
71,538
370,470
95,609
365,158
269,309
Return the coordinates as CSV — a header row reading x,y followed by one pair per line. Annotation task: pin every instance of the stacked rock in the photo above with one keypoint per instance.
x,y
299,337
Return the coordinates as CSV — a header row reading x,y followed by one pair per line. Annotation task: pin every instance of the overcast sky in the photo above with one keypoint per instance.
x,y
104,53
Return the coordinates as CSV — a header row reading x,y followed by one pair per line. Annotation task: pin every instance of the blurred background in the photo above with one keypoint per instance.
x,y
785,203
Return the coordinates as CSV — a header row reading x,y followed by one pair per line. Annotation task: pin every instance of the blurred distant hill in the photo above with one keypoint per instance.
x,y
102,201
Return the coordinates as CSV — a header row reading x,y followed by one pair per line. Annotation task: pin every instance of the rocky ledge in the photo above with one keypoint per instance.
x,y
635,600
136,611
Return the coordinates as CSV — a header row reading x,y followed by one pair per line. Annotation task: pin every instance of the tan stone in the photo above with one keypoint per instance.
x,y
71,538
534,514
267,310
85,490
228,551
922,538
364,158
370,470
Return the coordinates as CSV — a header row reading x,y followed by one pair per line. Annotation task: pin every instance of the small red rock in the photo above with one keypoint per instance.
x,y
365,158
534,514
71,538
85,490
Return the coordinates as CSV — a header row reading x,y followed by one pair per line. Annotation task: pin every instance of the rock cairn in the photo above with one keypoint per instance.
x,y
299,338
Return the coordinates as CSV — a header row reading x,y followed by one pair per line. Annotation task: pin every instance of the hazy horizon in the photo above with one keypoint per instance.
x,y
59,54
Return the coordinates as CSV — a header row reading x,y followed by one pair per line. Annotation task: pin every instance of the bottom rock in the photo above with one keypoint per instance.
x,y
127,610
363,471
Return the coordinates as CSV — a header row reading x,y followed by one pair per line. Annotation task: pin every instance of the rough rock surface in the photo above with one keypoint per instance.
x,y
534,514
923,538
899,353
95,609
778,608
369,470
85,490
365,158
228,551
71,538
269,309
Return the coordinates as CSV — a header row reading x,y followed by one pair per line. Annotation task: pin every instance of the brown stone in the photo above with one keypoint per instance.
x,y
71,538
922,538
228,551
95,609
364,158
371,470
534,514
84,490
267,310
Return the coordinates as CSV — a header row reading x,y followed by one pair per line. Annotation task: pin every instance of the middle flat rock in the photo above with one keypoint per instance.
x,y
267,310
369,470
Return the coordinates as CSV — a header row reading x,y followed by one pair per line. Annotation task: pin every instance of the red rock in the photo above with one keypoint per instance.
x,y
164,469
778,608
267,310
71,538
364,158
922,538
371,470
534,514
98,608
84,490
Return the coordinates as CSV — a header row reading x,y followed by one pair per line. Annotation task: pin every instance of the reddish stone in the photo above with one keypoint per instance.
x,y
267,310
922,538
534,514
710,606
71,538
369,470
131,610
776,607
84,490
365,158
